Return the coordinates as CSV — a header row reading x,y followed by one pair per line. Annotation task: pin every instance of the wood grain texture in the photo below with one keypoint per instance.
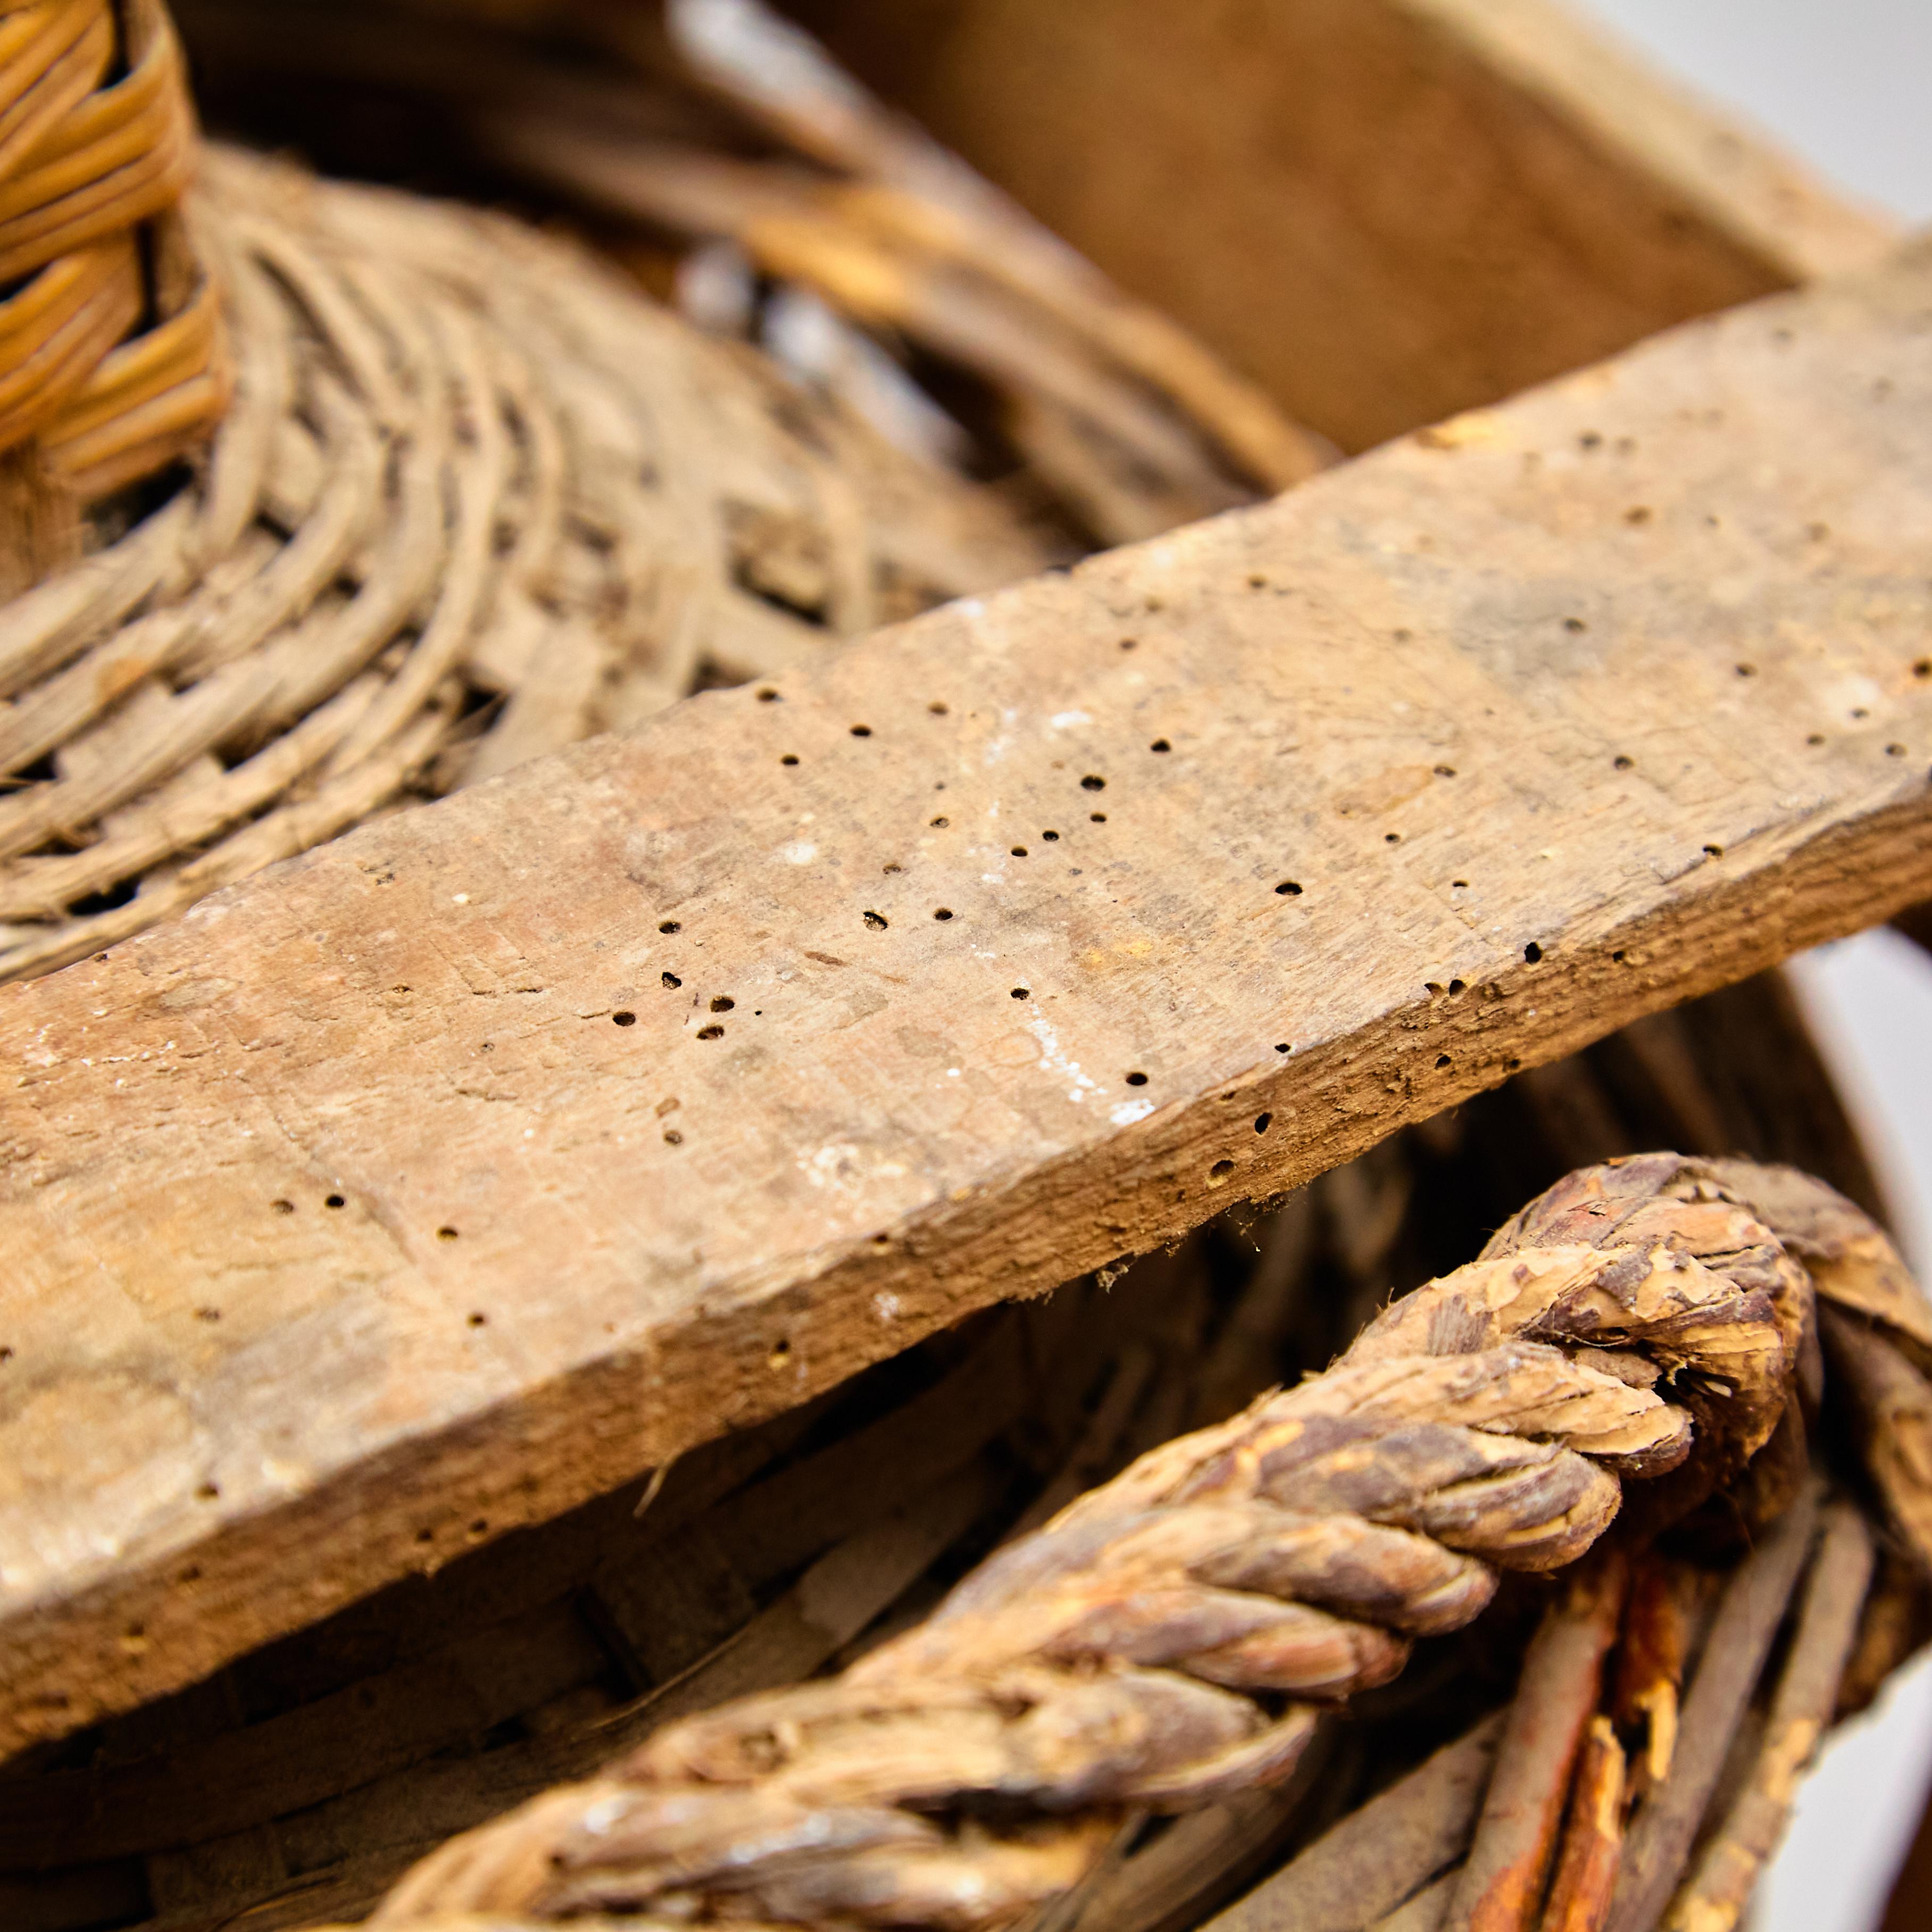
x,y
1417,206
401,1189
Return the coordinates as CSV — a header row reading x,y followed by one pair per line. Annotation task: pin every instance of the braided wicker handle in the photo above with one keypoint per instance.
x,y
1167,1640
111,355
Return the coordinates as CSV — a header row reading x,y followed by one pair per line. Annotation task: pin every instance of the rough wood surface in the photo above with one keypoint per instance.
x,y
1419,205
473,1164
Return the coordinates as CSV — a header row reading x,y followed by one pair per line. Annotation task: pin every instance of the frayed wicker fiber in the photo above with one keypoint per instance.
x,y
476,499
111,358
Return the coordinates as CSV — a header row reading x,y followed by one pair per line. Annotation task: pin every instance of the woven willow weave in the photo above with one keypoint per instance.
x,y
110,344
476,499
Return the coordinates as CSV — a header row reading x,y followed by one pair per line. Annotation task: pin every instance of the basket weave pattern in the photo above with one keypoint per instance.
x,y
110,345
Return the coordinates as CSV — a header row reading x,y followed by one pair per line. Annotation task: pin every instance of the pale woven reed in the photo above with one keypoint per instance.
x,y
111,357
476,498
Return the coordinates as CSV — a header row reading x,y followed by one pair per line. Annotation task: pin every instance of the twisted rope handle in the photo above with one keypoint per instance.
x,y
1168,1639
111,354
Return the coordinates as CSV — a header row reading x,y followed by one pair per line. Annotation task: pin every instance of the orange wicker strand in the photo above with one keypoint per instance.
x,y
112,360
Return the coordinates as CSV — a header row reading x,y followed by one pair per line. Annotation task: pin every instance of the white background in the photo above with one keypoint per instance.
x,y
1847,84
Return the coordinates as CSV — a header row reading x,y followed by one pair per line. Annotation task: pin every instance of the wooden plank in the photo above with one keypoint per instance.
x,y
467,1167
1384,211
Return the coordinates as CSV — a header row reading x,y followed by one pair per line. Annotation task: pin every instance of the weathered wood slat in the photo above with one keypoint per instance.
x,y
1416,205
470,1165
